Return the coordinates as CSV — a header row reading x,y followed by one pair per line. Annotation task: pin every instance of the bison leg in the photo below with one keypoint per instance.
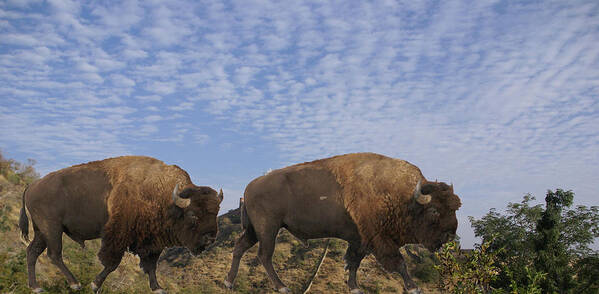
x,y
245,242
266,249
396,263
353,257
110,259
35,248
54,243
407,280
148,264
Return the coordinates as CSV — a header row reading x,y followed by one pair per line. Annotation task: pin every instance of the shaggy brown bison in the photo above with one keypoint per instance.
x,y
376,203
131,202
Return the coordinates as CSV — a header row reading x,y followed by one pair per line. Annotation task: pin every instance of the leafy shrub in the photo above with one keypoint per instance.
x,y
471,274
426,271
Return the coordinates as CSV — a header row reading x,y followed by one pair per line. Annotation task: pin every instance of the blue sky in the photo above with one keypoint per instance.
x,y
499,97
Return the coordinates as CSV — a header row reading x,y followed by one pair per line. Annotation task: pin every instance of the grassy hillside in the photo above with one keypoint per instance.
x,y
179,272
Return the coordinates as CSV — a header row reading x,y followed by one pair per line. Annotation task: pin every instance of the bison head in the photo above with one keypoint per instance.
x,y
194,213
434,214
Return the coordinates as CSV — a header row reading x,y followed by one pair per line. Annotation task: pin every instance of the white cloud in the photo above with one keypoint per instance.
x,y
121,16
122,81
92,78
274,42
153,118
134,53
22,3
182,106
19,39
106,64
86,67
167,29
201,138
150,98
148,129
244,74
162,88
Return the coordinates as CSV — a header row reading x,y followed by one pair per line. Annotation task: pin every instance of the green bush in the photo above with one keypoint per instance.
x,y
471,274
426,271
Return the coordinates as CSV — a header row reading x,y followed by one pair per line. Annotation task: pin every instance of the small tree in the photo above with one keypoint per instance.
x,y
16,172
552,256
514,232
542,245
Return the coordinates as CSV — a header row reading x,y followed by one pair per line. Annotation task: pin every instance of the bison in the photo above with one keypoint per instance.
x,y
131,202
375,203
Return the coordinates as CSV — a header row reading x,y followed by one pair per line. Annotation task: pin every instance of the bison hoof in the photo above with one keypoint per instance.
x,y
356,291
284,290
415,291
159,291
94,287
75,286
228,285
38,290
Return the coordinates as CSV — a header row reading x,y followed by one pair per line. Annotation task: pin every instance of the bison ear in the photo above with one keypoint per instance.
x,y
220,196
175,212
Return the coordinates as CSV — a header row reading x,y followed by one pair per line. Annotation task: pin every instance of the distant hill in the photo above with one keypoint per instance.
x,y
179,272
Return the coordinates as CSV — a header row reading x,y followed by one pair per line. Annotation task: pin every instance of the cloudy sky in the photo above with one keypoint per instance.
x,y
499,97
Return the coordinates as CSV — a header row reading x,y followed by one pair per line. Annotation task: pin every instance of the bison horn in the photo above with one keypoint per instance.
x,y
181,202
421,199
220,196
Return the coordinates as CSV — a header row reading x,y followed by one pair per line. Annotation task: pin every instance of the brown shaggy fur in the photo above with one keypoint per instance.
x,y
134,214
369,190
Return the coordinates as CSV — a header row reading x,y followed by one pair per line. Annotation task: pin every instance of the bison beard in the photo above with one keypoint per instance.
x,y
127,201
376,203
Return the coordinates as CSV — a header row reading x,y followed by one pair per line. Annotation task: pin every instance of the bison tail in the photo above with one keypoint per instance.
x,y
246,223
24,221
245,220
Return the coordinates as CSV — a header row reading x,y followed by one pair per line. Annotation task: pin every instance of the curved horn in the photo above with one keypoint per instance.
x,y
421,199
181,202
220,196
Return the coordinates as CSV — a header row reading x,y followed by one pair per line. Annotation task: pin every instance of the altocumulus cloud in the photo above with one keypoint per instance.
x,y
499,98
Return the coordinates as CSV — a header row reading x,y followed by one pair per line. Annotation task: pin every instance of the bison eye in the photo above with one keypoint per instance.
x,y
192,216
433,213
